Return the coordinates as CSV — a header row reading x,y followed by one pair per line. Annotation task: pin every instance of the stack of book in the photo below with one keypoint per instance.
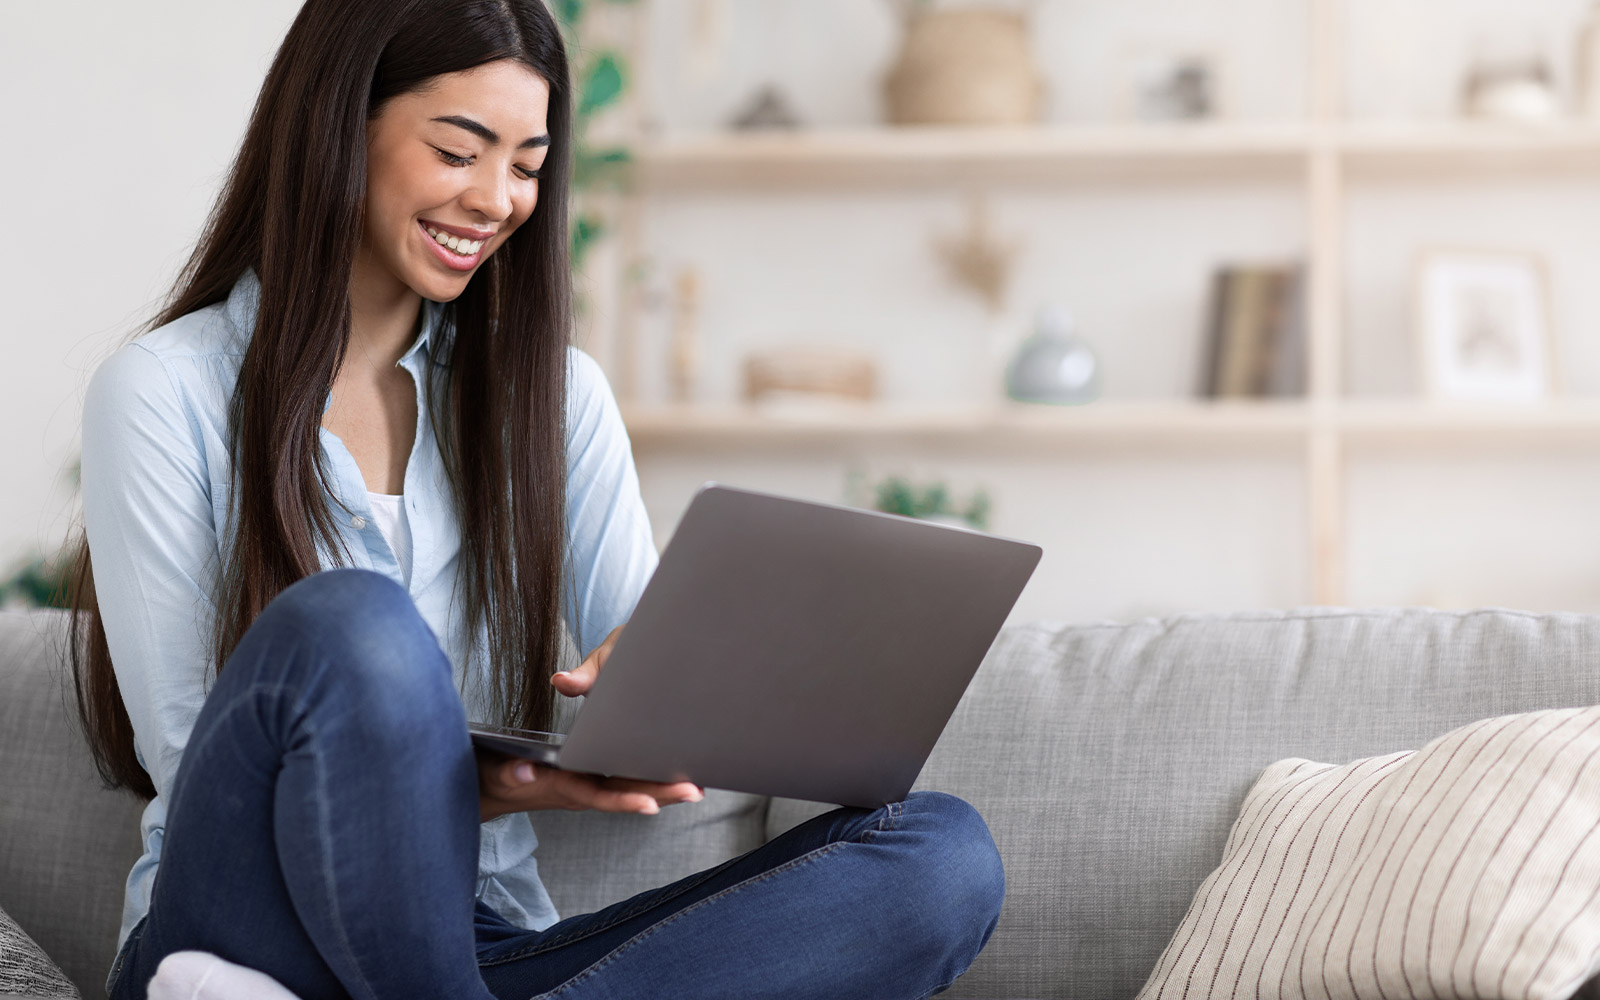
x,y
1256,334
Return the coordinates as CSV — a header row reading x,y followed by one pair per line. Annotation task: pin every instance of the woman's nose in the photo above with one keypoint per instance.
x,y
489,196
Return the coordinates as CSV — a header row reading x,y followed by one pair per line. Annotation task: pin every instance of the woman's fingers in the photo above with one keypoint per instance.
x,y
579,680
622,795
575,682
667,794
610,800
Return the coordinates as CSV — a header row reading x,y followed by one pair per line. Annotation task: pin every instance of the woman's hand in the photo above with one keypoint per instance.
x,y
506,784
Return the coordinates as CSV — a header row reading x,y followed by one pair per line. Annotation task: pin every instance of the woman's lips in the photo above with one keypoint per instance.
x,y
448,257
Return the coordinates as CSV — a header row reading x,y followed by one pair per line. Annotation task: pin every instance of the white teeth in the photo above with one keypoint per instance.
x,y
458,244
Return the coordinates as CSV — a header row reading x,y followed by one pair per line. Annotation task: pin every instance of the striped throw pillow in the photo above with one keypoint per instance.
x,y
1469,868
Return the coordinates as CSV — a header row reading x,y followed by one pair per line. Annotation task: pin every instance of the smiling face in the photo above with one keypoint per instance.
x,y
458,161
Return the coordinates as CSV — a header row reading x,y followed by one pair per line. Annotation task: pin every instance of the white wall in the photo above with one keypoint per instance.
x,y
121,119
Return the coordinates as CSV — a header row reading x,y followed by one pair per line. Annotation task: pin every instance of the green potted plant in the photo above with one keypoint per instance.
x,y
931,501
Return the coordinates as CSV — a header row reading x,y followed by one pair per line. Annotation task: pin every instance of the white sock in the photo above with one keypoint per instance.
x,y
199,975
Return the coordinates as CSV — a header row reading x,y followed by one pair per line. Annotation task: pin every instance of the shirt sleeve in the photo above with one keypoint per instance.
x,y
611,553
152,539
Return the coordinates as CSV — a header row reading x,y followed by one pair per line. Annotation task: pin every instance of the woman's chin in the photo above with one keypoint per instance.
x,y
441,285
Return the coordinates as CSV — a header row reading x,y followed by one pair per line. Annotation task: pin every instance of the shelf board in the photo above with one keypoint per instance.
x,y
1133,424
1444,148
921,155
1179,423
905,155
1409,424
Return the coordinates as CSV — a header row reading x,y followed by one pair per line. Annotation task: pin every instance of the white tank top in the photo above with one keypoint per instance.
x,y
389,513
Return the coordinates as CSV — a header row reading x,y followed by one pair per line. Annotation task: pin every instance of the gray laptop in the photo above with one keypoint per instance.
x,y
791,648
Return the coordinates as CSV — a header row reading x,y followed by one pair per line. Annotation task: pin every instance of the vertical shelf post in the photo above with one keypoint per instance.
x,y
623,364
1325,303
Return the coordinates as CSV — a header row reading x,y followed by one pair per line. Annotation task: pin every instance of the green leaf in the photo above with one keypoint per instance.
x,y
39,583
586,229
569,12
935,499
593,167
602,84
895,496
977,513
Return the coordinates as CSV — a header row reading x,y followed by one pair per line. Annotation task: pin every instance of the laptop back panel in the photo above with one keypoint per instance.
x,y
798,649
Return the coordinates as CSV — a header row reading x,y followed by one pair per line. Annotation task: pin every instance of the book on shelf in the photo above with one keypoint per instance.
x,y
1255,334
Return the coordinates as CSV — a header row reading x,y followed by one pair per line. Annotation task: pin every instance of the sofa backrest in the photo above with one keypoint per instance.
x,y
66,843
1109,761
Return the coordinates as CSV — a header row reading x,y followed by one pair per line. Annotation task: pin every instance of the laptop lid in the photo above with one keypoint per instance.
x,y
799,649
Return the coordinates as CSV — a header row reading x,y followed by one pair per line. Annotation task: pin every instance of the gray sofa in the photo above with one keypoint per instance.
x,y
1108,759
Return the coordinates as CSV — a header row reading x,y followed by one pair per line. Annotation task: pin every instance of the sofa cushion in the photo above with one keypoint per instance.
x,y
25,970
589,860
1110,759
66,844
1470,867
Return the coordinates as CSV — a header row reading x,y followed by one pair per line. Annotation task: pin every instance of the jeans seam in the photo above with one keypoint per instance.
x,y
621,916
122,954
650,931
886,823
332,882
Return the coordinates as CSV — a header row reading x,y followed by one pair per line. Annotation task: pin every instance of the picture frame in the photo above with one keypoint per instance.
x,y
1484,329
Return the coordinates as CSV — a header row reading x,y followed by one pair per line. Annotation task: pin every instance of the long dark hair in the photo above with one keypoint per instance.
x,y
292,209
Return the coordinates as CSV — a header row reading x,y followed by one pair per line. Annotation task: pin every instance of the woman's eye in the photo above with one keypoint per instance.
x,y
462,161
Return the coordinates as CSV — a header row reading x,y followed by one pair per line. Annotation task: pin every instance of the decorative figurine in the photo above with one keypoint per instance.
x,y
1054,365
769,108
1511,86
686,337
977,260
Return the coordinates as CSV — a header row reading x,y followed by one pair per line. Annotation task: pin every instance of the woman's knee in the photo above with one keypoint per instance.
x,y
966,854
361,624
354,602
957,880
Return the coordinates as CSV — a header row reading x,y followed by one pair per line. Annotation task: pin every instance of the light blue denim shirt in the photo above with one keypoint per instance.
x,y
157,479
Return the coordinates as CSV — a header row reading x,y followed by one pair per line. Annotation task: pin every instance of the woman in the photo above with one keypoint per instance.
x,y
375,491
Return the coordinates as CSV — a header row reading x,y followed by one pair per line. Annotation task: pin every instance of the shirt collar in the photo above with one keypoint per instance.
x,y
244,302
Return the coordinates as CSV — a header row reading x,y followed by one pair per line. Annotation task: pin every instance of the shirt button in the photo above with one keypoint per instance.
x,y
358,522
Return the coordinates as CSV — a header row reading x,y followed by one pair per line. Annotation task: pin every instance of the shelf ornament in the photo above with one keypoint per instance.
x,y
977,260
963,66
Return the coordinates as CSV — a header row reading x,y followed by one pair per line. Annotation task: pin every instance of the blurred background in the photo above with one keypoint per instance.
x,y
1228,304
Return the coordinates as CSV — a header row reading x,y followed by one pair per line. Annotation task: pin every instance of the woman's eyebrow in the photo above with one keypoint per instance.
x,y
488,134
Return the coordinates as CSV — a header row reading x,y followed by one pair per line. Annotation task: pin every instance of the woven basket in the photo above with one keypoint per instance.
x,y
964,67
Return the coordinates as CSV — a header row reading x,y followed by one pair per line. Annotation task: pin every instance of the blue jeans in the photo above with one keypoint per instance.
x,y
323,828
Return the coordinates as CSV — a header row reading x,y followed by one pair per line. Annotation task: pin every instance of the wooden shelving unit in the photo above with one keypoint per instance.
x,y
1324,154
